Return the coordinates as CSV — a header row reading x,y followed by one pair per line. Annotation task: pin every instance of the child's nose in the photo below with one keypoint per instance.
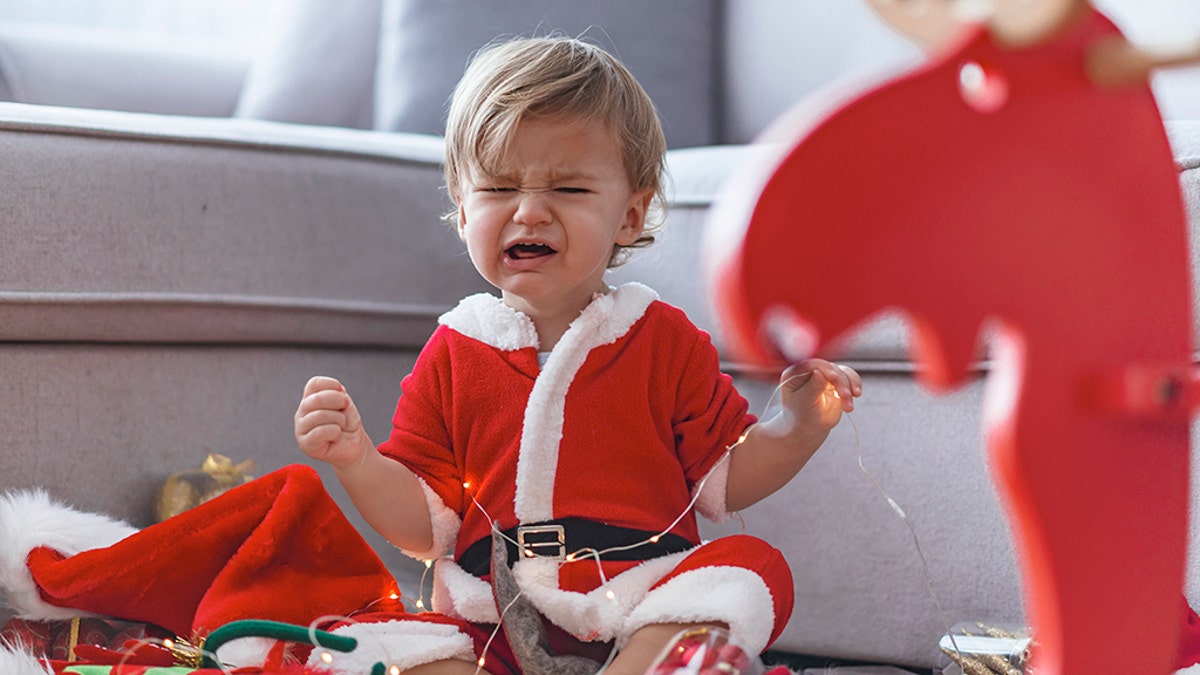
x,y
533,208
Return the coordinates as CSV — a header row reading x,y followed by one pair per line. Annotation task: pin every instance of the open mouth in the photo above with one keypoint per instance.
x,y
528,251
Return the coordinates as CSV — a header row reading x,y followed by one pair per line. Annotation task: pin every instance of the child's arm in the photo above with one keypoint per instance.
x,y
388,495
814,395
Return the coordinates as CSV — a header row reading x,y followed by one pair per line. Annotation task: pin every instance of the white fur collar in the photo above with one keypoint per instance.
x,y
486,318
602,322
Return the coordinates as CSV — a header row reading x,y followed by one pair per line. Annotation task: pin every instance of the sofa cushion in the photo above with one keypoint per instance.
x,y
317,66
782,51
116,70
425,46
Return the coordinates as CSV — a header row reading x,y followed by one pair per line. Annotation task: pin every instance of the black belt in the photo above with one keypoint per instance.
x,y
558,538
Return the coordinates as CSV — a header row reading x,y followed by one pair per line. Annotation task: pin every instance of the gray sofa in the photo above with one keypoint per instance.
x,y
189,236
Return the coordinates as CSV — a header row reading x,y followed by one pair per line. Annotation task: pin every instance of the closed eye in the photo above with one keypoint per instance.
x,y
572,190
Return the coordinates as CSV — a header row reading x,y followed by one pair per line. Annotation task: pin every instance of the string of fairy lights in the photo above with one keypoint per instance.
x,y
326,657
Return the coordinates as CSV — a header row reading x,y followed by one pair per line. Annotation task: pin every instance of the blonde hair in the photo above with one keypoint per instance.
x,y
553,76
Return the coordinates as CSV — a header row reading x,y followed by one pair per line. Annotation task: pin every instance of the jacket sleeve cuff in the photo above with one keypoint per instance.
x,y
710,492
446,524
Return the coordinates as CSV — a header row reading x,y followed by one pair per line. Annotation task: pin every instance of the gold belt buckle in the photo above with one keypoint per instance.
x,y
542,541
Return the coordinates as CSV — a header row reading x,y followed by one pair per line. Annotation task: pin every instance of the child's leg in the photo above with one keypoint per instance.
x,y
646,645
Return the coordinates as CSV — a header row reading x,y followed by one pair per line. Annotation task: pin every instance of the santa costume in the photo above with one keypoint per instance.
x,y
614,442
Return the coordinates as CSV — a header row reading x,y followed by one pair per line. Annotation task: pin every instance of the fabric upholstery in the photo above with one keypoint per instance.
x,y
113,70
316,66
425,46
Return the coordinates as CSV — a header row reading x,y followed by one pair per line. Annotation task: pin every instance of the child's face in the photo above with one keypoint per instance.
x,y
543,230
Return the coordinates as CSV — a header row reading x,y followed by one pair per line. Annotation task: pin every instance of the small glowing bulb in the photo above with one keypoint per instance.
x,y
420,603
393,596
836,394
466,485
655,538
394,670
428,564
610,595
480,661
169,643
326,658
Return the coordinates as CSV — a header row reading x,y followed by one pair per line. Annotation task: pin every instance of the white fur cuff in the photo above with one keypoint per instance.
x,y
734,596
446,524
404,644
710,502
32,519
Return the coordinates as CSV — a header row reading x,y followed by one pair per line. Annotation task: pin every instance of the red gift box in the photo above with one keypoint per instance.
x,y
56,640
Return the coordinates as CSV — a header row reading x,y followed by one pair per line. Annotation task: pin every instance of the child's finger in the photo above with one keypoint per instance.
x,y
320,418
796,376
854,378
322,400
316,440
322,383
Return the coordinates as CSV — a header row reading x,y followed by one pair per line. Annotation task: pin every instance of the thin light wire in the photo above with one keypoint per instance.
x,y
895,508
587,552
495,631
911,530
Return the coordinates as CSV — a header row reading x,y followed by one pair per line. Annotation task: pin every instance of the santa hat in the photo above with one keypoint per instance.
x,y
277,548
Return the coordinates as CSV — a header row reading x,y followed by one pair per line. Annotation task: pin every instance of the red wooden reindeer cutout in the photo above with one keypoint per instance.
x,y
1021,175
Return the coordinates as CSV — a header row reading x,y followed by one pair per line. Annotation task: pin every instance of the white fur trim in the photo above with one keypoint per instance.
x,y
588,616
1190,670
446,524
16,660
602,322
486,318
32,519
731,595
404,644
247,652
592,615
710,502
462,595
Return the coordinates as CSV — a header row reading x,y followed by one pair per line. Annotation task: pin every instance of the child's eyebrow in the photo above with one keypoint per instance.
x,y
554,176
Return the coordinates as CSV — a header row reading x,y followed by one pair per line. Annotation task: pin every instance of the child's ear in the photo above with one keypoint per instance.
x,y
462,221
635,217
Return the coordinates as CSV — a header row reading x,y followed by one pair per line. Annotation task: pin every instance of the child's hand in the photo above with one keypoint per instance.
x,y
328,426
816,392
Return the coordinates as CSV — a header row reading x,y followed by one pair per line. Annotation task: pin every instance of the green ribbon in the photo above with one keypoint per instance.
x,y
272,629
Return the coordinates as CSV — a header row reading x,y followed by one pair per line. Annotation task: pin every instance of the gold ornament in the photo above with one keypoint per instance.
x,y
184,489
988,650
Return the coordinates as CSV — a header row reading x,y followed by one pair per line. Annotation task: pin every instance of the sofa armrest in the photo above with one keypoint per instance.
x,y
116,70
154,225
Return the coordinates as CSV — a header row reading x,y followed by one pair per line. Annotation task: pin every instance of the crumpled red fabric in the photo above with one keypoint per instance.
x,y
277,548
